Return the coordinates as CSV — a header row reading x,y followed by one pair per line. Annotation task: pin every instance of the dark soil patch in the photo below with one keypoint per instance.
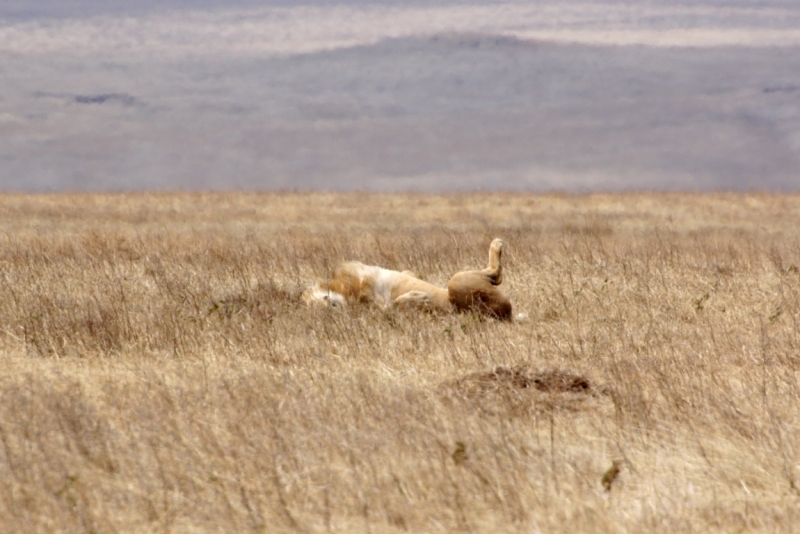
x,y
520,389
562,382
521,377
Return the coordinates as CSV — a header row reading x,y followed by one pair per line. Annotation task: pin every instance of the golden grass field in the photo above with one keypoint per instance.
x,y
160,374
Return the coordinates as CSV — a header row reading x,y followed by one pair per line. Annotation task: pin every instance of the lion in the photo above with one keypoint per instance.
x,y
467,290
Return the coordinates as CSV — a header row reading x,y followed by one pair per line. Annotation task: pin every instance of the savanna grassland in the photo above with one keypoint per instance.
x,y
160,373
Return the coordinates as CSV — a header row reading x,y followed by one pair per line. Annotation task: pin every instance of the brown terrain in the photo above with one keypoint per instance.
x,y
160,373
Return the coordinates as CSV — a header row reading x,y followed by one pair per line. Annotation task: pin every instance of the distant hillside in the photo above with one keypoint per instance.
x,y
448,110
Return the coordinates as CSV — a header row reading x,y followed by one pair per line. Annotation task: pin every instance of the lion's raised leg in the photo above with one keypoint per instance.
x,y
494,271
476,290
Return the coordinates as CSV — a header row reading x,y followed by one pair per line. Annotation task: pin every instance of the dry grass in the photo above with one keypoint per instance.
x,y
159,373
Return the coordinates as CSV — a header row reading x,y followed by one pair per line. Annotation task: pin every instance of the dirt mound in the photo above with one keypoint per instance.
x,y
521,377
562,382
520,389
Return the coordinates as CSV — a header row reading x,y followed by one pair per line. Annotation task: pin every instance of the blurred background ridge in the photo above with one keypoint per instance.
x,y
435,96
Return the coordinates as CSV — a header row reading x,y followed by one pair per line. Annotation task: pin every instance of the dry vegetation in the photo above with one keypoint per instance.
x,y
160,375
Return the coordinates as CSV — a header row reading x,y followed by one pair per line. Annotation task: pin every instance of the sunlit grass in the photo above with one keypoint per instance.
x,y
161,374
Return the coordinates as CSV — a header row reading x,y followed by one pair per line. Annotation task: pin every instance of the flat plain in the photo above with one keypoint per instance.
x,y
160,373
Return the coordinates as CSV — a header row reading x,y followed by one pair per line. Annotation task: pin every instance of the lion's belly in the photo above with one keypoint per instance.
x,y
375,280
386,284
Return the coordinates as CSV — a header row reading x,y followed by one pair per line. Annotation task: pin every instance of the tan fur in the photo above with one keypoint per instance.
x,y
467,290
477,290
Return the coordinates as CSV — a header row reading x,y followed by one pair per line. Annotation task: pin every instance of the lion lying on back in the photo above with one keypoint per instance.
x,y
468,290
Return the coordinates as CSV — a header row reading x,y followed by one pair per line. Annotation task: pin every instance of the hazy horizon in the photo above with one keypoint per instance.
x,y
428,96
